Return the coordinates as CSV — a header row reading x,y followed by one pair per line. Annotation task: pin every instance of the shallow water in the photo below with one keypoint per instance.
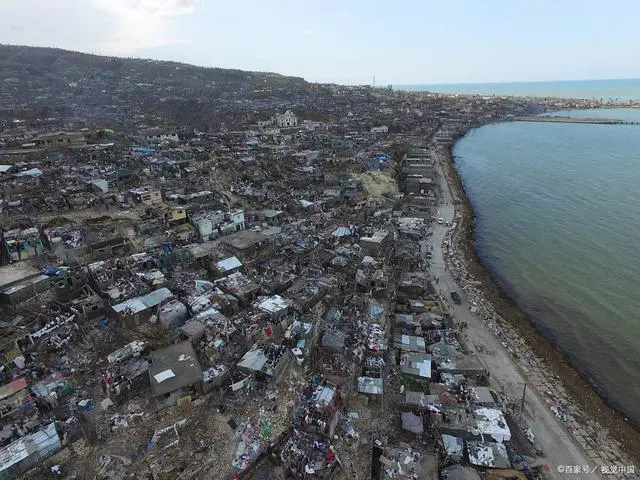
x,y
558,223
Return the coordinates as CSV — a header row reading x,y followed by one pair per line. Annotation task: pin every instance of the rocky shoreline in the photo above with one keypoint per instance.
x,y
573,400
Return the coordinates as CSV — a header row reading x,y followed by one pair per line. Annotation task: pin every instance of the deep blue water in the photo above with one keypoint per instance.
x,y
558,223
608,90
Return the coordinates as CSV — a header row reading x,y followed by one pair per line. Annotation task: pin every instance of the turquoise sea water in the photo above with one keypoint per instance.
x,y
608,90
558,224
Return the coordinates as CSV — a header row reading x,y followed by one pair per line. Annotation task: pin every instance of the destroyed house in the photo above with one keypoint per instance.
x,y
215,377
405,463
29,451
465,365
146,195
483,424
238,285
228,266
350,189
311,293
416,364
483,396
139,309
302,459
417,305
65,242
132,350
213,224
14,341
412,227
276,281
317,412
55,141
275,306
488,454
406,322
218,324
268,359
193,331
377,244
86,304
245,243
174,373
109,246
412,284
21,244
14,395
172,314
19,283
373,283
370,386
409,343
271,217
302,333
334,340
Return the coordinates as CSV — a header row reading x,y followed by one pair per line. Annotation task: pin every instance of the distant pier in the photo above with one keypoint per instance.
x,y
595,121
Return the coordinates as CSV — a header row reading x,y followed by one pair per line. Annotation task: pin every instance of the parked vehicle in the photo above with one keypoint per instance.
x,y
456,298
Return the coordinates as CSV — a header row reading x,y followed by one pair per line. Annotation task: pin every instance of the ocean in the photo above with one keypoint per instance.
x,y
558,223
620,91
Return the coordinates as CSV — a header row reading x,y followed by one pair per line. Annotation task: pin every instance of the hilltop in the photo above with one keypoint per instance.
x,y
55,82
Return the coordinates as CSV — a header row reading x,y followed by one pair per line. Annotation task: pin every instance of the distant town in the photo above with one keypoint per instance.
x,y
220,274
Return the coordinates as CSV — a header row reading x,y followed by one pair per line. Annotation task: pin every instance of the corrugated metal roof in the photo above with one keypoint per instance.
x,y
12,388
149,300
228,264
273,304
45,441
370,385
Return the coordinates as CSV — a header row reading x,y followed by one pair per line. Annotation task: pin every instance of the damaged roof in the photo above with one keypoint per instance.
x,y
173,367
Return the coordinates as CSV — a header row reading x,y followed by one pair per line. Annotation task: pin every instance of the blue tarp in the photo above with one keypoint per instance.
x,y
50,271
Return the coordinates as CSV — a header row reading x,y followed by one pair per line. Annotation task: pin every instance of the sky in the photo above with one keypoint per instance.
x,y
349,41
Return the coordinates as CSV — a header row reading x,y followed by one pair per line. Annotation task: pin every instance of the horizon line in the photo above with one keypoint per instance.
x,y
499,82
399,84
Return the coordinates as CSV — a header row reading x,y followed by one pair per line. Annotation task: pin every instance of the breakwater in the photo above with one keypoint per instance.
x,y
555,119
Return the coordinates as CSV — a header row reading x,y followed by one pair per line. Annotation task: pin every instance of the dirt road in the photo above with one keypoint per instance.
x,y
550,435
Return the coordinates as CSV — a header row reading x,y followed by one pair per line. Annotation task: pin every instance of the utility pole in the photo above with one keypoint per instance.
x,y
524,392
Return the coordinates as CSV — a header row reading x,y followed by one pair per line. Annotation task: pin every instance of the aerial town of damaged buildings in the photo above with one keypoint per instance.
x,y
244,292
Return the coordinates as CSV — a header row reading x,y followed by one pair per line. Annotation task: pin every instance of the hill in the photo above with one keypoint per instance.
x,y
50,82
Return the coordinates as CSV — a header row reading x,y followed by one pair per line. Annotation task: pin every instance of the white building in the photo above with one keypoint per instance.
x,y
383,129
287,119
264,123
163,137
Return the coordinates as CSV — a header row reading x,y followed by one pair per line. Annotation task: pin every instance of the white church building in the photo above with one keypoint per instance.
x,y
287,119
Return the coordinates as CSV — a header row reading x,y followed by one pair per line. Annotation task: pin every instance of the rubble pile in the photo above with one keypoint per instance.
x,y
251,301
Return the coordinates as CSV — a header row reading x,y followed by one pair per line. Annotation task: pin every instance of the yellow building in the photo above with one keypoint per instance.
x,y
54,141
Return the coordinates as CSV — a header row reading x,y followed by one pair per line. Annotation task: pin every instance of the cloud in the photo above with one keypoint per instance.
x,y
306,32
142,24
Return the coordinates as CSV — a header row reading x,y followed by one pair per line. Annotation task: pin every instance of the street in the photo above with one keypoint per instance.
x,y
551,437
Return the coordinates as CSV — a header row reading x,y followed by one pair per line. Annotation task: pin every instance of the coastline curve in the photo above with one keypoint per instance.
x,y
582,393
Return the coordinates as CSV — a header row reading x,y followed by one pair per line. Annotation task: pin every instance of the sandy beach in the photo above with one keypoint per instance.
x,y
571,423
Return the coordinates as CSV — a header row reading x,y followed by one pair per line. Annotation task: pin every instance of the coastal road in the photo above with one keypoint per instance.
x,y
551,436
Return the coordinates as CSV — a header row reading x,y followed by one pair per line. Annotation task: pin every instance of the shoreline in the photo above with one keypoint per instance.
x,y
581,393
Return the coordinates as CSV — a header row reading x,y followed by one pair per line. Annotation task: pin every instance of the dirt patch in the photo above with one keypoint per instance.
x,y
378,185
581,391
